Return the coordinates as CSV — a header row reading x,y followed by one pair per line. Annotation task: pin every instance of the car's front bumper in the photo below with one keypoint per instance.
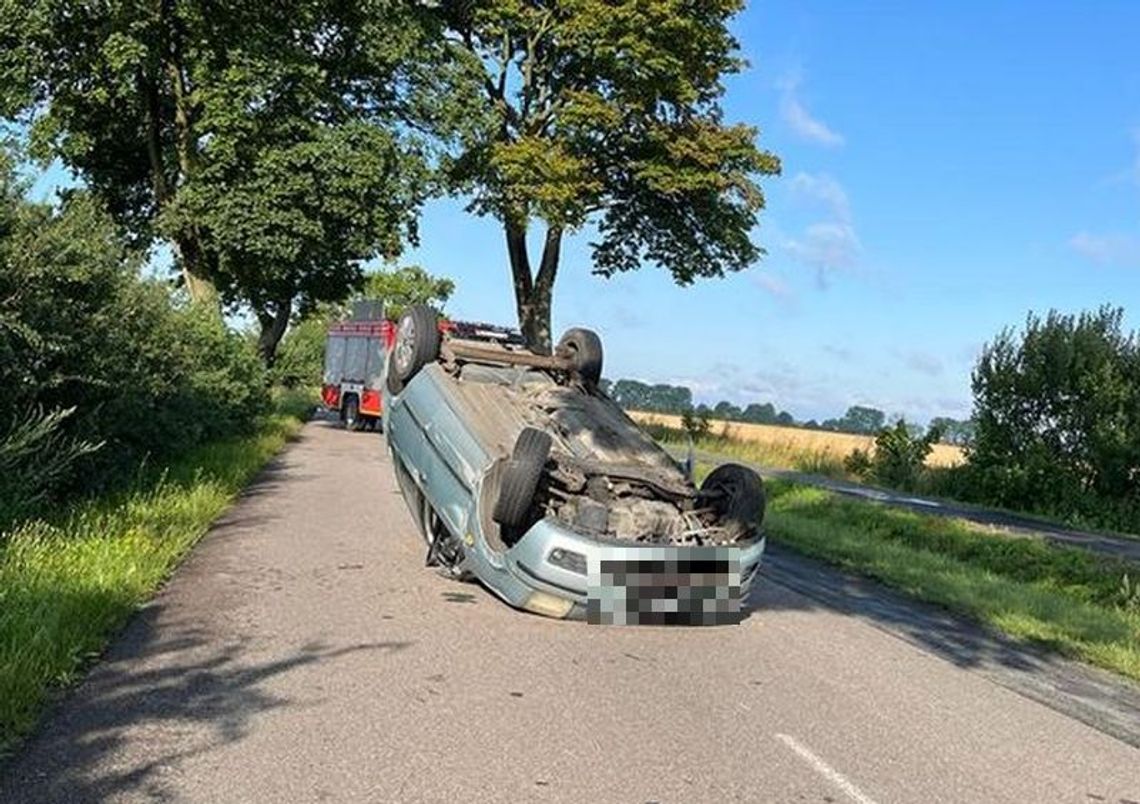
x,y
568,575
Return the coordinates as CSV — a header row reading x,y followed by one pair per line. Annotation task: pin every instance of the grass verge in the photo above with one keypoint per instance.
x,y
69,583
1068,600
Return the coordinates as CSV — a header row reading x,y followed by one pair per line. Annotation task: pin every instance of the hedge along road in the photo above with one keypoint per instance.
x,y
304,653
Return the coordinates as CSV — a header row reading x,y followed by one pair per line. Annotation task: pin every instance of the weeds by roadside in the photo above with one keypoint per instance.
x,y
68,582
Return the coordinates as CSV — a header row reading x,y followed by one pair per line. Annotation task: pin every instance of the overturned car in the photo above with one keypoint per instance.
x,y
521,473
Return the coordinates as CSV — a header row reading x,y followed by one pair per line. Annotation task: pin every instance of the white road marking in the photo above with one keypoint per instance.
x,y
920,501
825,770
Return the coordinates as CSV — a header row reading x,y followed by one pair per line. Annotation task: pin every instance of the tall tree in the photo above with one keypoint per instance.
x,y
407,285
1057,413
259,140
606,111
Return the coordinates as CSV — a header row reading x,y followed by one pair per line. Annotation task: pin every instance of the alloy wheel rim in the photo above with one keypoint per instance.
x,y
407,338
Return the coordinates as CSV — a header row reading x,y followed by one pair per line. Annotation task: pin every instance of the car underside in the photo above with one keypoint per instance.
x,y
513,461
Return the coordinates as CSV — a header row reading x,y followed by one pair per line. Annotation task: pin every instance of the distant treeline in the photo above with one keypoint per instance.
x,y
677,400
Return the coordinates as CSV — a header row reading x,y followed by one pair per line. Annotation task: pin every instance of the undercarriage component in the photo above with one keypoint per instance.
x,y
736,493
445,551
515,504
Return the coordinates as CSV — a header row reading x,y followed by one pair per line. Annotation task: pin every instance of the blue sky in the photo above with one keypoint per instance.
x,y
946,170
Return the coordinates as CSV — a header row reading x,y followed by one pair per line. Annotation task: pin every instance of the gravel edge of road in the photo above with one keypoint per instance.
x,y
1097,698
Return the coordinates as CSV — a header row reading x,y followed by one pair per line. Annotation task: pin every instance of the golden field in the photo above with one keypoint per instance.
x,y
790,441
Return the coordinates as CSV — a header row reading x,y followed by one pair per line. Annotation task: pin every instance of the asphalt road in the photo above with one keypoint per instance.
x,y
304,654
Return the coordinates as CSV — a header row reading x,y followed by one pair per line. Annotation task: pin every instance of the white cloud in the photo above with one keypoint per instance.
x,y
826,246
773,285
1107,249
825,190
800,120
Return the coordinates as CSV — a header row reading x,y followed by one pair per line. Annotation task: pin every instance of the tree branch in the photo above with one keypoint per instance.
x,y
154,139
551,250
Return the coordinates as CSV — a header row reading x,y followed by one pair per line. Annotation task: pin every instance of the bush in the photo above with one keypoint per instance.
x,y
858,462
301,356
34,455
1057,412
696,423
900,455
90,352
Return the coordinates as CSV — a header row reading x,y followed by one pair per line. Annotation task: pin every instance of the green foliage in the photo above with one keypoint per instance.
x,y
81,332
858,419
696,423
1129,594
270,144
1057,410
35,456
300,361
1066,599
402,287
954,431
858,462
594,109
900,455
660,398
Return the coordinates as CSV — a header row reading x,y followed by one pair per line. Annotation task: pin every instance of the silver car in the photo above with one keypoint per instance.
x,y
521,473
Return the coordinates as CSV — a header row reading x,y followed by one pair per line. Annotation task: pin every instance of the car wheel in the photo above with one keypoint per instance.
x,y
351,413
417,341
520,478
736,493
583,347
395,384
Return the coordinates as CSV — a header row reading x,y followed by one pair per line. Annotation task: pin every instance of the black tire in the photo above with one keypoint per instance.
x,y
395,384
737,494
351,412
417,341
520,478
584,349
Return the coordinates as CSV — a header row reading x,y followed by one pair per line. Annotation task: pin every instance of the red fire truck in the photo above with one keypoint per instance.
x,y
354,359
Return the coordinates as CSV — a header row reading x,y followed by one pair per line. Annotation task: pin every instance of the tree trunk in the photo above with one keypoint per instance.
x,y
187,247
194,273
188,243
273,326
534,294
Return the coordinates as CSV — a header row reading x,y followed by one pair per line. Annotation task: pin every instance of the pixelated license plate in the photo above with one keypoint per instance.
x,y
665,586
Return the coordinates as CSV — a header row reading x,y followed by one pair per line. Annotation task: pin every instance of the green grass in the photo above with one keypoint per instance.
x,y
1068,600
68,584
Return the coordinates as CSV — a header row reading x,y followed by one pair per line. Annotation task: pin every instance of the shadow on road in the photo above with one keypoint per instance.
x,y
789,582
204,694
